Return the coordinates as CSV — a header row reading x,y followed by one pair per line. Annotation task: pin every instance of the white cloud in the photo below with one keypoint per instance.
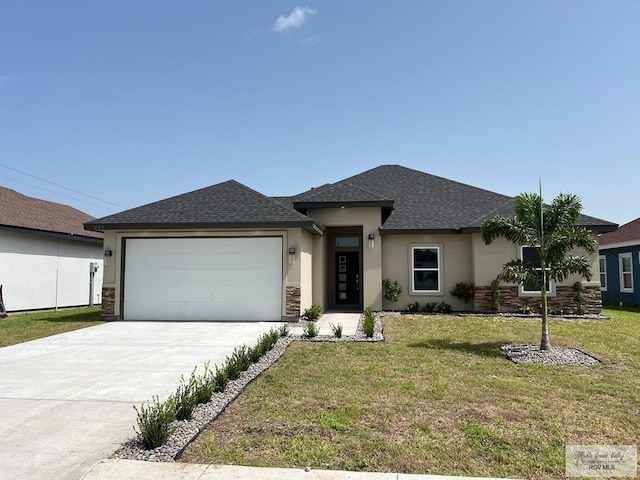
x,y
295,19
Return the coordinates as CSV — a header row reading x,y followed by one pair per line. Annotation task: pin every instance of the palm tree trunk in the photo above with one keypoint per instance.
x,y
544,339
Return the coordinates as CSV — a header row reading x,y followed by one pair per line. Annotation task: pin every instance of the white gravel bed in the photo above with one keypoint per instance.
x,y
204,414
556,356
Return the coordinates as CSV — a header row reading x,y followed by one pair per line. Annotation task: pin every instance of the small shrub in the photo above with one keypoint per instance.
x,y
221,379
495,295
579,298
238,362
336,329
313,312
369,322
205,385
556,310
429,307
310,330
525,309
283,331
463,291
186,398
413,307
392,291
444,307
154,422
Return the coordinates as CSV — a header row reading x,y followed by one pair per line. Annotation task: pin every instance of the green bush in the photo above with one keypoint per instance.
x,y
310,330
369,322
429,307
336,329
525,309
463,291
155,422
238,362
444,307
413,307
556,310
283,331
221,379
313,312
186,398
205,385
495,295
392,291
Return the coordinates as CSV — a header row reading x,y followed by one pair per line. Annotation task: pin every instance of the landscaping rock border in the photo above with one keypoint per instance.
x,y
187,430
556,356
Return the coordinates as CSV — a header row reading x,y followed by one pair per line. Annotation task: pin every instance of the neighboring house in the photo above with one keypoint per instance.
x,y
620,264
227,252
45,254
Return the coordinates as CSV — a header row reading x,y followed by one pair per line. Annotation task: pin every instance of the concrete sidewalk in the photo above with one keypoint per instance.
x,y
133,470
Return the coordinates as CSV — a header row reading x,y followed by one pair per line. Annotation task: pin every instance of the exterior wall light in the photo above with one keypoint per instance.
x,y
108,253
372,242
292,255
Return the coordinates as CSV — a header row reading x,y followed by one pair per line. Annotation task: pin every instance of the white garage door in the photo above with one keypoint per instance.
x,y
235,279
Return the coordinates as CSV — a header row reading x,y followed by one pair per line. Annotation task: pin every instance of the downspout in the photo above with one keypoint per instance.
x,y
57,272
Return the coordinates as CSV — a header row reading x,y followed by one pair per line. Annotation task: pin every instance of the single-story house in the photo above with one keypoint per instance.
x,y
227,252
46,255
620,264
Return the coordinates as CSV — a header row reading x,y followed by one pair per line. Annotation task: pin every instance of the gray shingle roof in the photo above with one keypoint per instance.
x,y
227,204
425,202
413,201
338,194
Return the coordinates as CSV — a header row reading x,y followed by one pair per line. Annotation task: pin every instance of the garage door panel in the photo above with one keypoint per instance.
x,y
203,279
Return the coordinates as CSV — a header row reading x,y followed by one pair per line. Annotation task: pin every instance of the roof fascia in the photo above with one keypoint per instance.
x,y
419,231
309,225
373,203
49,234
629,243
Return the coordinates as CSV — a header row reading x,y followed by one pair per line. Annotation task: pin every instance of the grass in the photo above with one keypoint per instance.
x,y
436,397
22,327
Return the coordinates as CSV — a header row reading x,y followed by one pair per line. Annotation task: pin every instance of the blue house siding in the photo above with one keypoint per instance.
x,y
613,293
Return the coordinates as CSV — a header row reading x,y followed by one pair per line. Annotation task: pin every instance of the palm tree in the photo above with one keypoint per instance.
x,y
551,230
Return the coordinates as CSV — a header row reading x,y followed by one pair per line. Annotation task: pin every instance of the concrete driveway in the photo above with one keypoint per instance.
x,y
67,401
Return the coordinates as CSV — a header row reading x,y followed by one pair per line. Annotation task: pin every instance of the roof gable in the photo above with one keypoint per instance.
x,y
23,212
225,204
338,194
629,232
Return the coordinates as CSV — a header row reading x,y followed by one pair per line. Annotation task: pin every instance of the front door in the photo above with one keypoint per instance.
x,y
347,279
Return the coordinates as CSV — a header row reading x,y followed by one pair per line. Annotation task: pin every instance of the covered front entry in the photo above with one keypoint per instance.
x,y
345,267
203,279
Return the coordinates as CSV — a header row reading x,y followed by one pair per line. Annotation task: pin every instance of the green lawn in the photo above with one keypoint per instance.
x,y
436,397
22,327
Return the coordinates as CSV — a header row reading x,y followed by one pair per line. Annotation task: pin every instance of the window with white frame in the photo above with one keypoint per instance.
x,y
425,269
532,255
602,260
626,272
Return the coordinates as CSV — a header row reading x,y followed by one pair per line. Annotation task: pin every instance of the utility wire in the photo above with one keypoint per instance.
x,y
61,186
54,192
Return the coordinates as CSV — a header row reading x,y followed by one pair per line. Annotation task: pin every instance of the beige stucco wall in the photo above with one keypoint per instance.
x,y
455,266
306,270
367,217
296,274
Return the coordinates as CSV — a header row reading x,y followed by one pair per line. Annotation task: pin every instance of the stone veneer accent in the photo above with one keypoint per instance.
x,y
510,302
292,307
109,303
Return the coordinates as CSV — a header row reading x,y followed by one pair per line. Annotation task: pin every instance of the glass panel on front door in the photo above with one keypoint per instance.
x,y
347,278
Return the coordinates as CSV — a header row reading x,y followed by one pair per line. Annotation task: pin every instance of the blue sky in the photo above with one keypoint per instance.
x,y
135,101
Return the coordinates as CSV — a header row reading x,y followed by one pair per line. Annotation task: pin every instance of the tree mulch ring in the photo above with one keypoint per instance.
x,y
555,356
